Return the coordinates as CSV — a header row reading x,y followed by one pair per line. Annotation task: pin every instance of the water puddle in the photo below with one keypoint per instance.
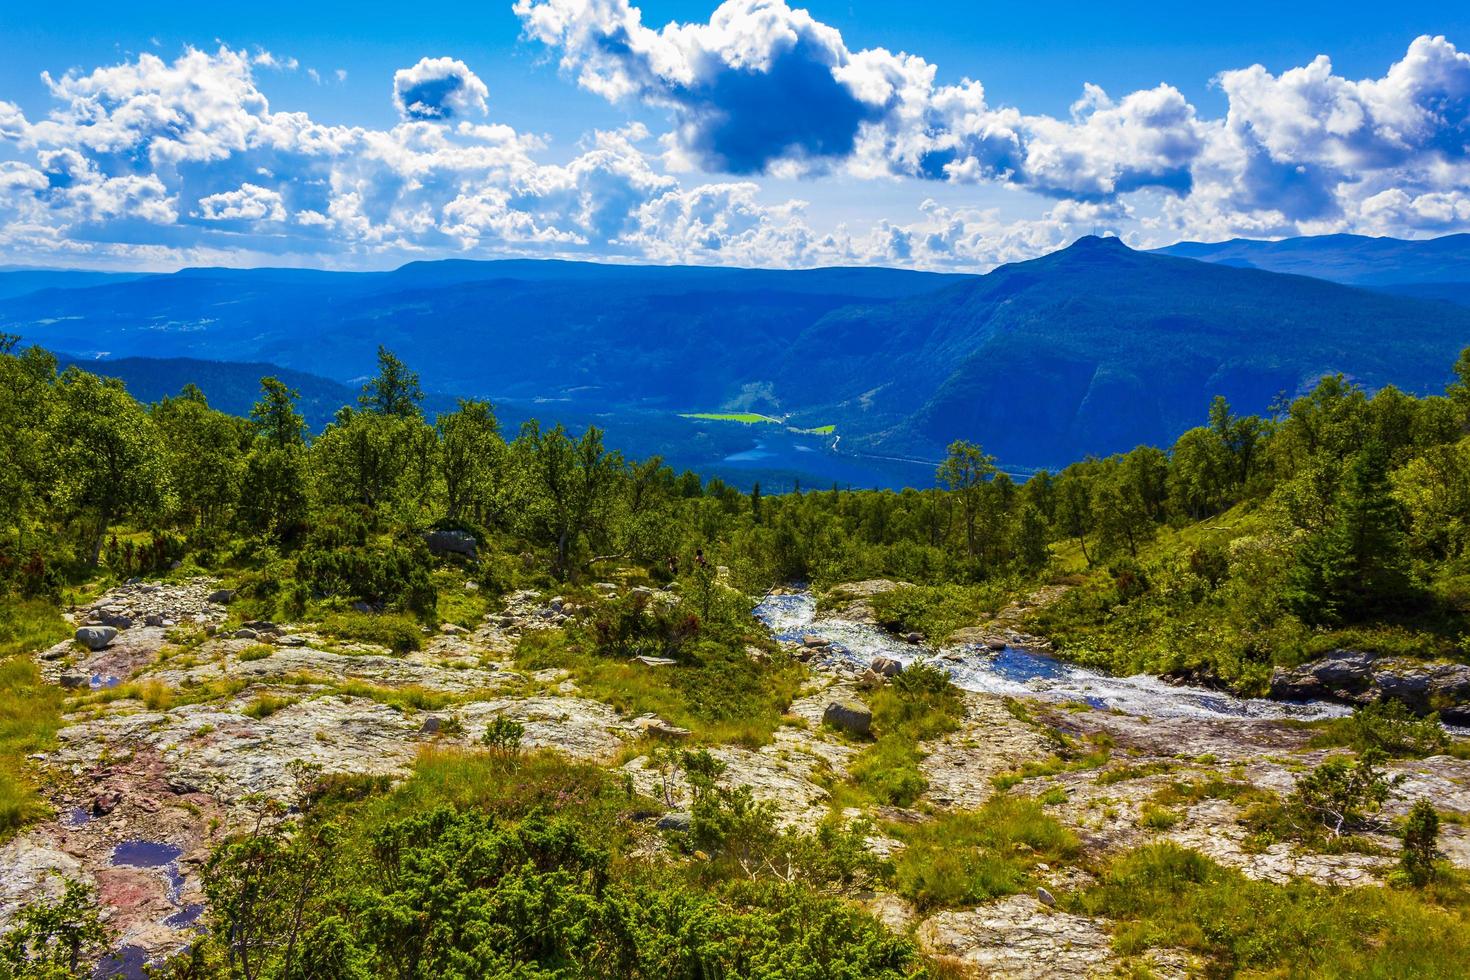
x,y
153,854
99,682
125,963
1022,672
77,816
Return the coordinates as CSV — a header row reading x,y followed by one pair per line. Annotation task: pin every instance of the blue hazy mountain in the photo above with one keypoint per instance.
x,y
1092,349
1352,259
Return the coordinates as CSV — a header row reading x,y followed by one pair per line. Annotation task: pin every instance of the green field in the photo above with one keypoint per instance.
x,y
746,418
821,430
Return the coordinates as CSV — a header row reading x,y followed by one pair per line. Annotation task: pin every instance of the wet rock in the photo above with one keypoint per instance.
x,y
852,717
96,637
814,642
1352,677
886,666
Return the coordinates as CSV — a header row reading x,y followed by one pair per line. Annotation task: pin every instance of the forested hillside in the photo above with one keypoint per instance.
x,y
1092,349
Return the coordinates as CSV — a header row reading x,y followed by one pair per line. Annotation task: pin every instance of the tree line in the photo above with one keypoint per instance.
x,y
1369,490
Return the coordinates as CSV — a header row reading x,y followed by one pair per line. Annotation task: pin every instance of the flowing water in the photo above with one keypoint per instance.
x,y
1018,671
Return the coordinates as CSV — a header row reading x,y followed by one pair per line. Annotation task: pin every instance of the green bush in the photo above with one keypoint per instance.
x,y
411,884
1421,843
1164,896
396,632
1387,727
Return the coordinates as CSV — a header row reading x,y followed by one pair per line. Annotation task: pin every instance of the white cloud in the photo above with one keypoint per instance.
x,y
437,89
250,202
128,149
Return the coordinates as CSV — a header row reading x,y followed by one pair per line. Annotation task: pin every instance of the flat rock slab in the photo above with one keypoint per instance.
x,y
1021,938
961,765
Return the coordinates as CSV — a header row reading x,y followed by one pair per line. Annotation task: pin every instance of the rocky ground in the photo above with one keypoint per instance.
x,y
167,747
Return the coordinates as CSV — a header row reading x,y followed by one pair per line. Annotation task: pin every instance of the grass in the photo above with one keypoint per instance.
x,y
457,604
1162,895
399,633
715,691
256,651
819,430
744,418
915,706
969,857
30,708
410,697
267,705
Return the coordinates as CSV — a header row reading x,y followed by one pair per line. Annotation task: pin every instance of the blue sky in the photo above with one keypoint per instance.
x,y
932,135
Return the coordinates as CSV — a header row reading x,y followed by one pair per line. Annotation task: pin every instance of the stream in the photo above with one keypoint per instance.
x,y
1019,671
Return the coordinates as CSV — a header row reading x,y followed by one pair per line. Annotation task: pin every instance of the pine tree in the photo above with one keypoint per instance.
x,y
1358,564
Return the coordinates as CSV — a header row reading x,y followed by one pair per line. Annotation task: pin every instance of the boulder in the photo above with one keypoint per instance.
x,y
814,642
246,633
96,637
886,666
914,638
452,543
677,820
75,679
655,661
852,717
1351,677
871,680
222,597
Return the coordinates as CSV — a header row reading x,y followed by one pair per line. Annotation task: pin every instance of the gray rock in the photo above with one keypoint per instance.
x,y
96,637
914,638
850,716
221,597
678,820
656,661
75,679
246,633
886,666
1045,897
658,728
452,543
432,725
814,642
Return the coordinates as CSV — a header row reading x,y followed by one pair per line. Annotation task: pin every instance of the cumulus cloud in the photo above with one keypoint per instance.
x,y
250,202
161,161
764,88
438,88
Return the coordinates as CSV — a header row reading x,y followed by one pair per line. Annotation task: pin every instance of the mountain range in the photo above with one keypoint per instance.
x,y
1091,349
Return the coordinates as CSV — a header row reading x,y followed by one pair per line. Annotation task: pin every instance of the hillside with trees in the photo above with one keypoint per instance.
x,y
502,600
